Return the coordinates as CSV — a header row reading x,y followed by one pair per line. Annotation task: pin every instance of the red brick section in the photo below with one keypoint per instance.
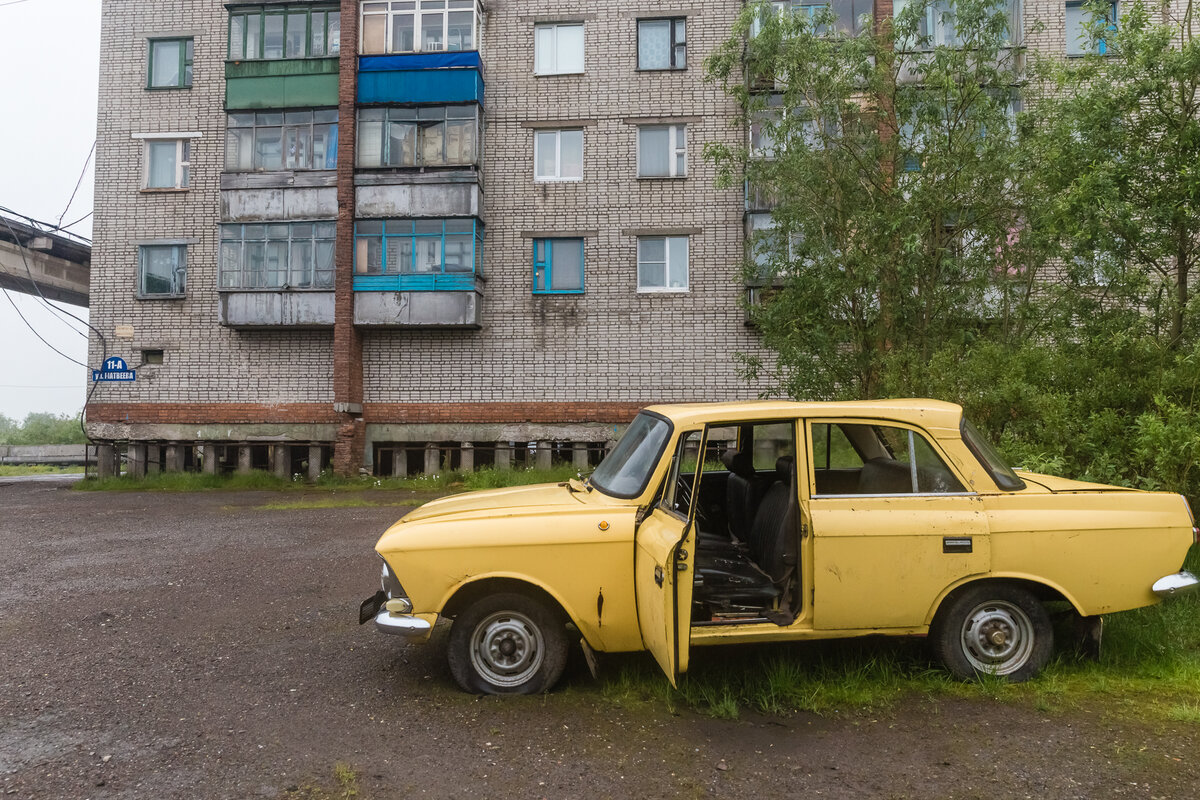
x,y
347,342
375,413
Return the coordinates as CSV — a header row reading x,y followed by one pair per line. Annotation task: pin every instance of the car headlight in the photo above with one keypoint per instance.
x,y
388,582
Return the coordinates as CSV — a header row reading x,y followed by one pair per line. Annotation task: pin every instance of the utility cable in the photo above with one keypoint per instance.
x,y
78,183
99,335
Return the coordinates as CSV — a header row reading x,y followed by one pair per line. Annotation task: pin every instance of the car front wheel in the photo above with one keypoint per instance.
x,y
993,629
507,644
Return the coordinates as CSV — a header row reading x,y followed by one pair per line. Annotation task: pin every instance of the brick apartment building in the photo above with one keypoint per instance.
x,y
411,235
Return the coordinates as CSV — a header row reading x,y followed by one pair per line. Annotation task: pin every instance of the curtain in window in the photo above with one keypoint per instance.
x,y
162,165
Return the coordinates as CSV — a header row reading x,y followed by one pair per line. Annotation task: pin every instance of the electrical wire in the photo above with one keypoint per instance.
x,y
12,3
99,335
78,183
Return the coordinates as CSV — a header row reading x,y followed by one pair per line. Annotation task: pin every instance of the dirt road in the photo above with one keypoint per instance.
x,y
199,646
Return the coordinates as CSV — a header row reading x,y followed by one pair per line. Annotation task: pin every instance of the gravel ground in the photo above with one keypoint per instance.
x,y
199,646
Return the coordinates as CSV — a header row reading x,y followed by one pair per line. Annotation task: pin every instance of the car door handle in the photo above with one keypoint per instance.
x,y
658,575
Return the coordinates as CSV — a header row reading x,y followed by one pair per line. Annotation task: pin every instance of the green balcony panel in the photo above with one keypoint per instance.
x,y
289,83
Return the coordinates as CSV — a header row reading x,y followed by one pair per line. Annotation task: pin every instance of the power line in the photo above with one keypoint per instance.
x,y
12,3
38,335
78,183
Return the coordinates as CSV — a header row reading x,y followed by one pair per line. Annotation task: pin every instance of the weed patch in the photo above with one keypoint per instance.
x,y
15,470
344,786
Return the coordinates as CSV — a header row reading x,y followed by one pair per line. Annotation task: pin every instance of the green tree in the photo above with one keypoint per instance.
x,y
1121,127
896,181
42,428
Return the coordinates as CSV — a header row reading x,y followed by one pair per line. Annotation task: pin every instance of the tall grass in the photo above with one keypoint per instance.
x,y
1149,668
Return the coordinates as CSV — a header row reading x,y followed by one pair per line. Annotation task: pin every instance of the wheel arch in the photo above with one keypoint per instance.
x,y
1044,591
471,590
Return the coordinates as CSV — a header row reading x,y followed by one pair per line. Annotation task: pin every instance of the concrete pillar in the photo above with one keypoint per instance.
x,y
153,459
399,462
173,460
433,459
281,461
579,455
209,459
314,462
245,459
466,461
136,461
544,457
503,456
107,465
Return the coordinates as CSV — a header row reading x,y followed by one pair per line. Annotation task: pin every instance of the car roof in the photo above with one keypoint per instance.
x,y
917,411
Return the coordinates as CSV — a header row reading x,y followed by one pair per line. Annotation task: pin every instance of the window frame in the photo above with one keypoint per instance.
x,y
1101,47
546,265
332,46
186,62
540,69
183,163
415,280
178,273
912,433
315,283
666,288
391,10
675,130
676,24
558,161
283,127
421,126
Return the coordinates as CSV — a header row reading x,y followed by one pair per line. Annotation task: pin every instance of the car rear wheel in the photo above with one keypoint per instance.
x,y
993,629
508,644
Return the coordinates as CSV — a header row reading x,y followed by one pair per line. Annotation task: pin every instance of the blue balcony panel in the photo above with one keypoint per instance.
x,y
427,86
415,61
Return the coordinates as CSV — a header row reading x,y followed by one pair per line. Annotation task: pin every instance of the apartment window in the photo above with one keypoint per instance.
x,y
411,26
937,25
662,151
558,48
418,137
293,255
275,32
168,163
662,263
419,248
162,270
558,155
558,266
170,64
662,43
847,13
278,140
1078,37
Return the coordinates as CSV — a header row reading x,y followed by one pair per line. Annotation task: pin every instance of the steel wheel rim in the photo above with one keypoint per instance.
x,y
997,637
507,648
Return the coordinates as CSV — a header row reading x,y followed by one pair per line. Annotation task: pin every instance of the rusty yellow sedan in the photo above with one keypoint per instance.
x,y
778,521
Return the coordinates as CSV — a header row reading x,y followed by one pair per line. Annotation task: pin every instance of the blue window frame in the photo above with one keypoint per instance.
x,y
1078,16
558,266
417,254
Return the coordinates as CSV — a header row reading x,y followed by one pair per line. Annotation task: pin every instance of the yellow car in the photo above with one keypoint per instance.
x,y
777,521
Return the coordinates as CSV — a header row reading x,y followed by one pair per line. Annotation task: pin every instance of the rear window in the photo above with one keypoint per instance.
x,y
992,461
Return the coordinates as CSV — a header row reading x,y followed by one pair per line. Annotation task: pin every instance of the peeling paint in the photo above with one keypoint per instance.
x,y
600,607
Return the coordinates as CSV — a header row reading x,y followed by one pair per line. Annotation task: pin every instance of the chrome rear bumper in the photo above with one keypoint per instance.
x,y
1182,582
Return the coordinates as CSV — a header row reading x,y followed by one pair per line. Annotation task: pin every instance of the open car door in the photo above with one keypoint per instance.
x,y
664,561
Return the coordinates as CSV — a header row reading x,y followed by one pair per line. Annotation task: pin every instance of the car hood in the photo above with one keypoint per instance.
x,y
512,501
1056,484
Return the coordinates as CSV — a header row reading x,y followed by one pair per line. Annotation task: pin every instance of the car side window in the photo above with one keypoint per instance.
x,y
863,459
679,490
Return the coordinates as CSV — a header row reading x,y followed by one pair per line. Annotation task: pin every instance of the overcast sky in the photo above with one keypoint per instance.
x,y
49,66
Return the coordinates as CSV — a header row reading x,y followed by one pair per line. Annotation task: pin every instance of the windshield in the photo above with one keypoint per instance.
x,y
626,470
1001,473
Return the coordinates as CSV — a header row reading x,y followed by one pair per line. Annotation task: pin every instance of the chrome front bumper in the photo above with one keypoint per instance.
x,y
1182,582
402,624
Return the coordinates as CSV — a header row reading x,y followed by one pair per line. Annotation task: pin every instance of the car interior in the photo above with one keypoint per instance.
x,y
747,567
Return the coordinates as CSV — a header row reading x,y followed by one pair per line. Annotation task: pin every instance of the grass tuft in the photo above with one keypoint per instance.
x,y
15,470
1149,670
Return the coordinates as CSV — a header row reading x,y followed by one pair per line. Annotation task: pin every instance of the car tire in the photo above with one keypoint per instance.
x,y
508,644
993,629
